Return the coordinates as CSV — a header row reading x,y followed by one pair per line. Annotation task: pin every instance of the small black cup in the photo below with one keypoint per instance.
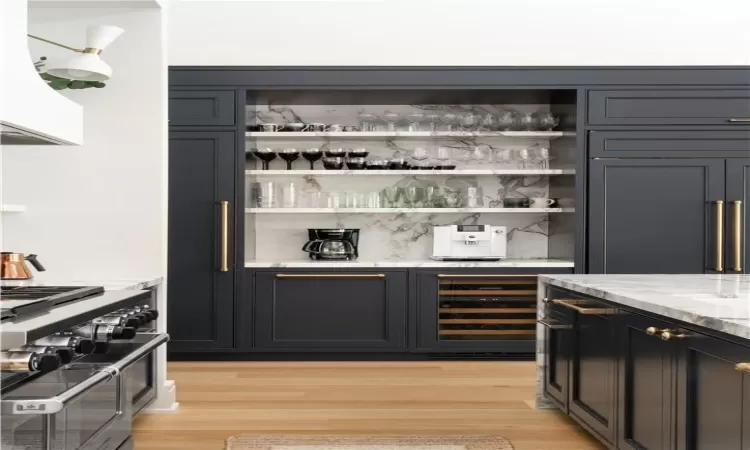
x,y
516,203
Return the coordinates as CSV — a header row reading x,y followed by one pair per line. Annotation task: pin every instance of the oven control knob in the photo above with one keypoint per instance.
x,y
66,354
84,346
46,362
132,322
123,333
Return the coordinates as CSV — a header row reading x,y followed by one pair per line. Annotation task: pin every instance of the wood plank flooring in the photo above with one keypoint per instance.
x,y
221,399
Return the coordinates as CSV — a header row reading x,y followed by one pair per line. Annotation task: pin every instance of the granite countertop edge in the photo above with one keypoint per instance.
x,y
739,327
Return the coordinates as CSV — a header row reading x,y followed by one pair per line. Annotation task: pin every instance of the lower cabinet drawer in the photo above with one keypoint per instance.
x,y
329,310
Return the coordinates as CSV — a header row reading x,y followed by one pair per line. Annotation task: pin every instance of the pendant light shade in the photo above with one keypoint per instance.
x,y
88,66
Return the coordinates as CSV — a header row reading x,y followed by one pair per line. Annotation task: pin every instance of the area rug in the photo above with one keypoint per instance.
x,y
251,442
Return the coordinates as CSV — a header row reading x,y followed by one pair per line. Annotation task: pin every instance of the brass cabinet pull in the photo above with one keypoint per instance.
x,y
742,367
737,235
574,304
668,335
719,236
330,275
224,238
653,331
739,120
446,275
555,325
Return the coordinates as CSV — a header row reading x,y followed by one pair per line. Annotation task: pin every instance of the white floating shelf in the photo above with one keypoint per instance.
x,y
407,134
12,208
521,172
403,210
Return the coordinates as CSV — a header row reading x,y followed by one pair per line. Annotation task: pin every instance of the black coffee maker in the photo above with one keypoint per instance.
x,y
332,244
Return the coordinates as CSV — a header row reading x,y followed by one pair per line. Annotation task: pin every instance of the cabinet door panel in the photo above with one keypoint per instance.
x,y
201,108
330,310
712,396
668,107
201,174
669,144
653,215
738,190
558,335
644,385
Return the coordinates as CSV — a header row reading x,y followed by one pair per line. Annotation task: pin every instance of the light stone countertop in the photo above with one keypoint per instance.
x,y
109,285
717,302
404,263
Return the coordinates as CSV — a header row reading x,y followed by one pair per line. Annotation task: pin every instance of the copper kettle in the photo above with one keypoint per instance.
x,y
13,266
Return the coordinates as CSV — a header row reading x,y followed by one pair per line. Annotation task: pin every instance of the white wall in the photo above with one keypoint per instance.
x,y
459,32
97,211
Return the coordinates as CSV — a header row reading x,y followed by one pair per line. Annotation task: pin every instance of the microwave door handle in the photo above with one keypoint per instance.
x,y
57,403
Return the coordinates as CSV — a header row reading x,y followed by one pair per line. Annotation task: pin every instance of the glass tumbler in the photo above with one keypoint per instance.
x,y
289,195
266,194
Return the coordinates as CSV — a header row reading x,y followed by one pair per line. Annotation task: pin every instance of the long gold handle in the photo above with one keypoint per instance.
x,y
330,275
574,304
224,236
719,236
737,235
653,331
742,367
739,120
668,335
447,275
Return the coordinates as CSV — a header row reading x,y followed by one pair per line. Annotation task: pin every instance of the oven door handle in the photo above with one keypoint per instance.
x,y
55,404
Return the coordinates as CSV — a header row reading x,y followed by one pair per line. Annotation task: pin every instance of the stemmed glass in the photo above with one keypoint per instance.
x,y
525,156
312,155
266,155
544,157
367,121
479,152
289,155
487,122
432,120
507,120
443,155
391,118
413,195
414,120
419,154
548,122
450,121
528,121
392,195
469,121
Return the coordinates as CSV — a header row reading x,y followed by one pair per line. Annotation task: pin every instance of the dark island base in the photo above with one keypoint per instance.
x,y
350,356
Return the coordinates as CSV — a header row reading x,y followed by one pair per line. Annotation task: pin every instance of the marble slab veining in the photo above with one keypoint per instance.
x,y
541,263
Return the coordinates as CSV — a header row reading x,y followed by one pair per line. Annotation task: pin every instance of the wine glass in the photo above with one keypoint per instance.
x,y
524,155
544,157
479,152
528,122
265,154
450,121
414,120
392,196
289,155
312,155
487,122
469,121
419,154
367,121
413,195
507,120
548,122
443,155
391,118
432,120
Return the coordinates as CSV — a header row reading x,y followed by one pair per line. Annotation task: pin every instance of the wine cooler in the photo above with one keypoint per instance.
x,y
494,313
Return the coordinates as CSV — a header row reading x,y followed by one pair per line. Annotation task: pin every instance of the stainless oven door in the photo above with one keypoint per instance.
x,y
82,406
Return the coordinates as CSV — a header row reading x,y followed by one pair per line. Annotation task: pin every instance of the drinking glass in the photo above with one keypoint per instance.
x,y
432,120
312,155
473,197
267,195
501,155
355,200
528,122
432,197
488,122
443,154
479,152
419,154
524,155
335,200
450,121
414,195
507,121
391,119
289,195
373,200
469,121
415,119
547,121
392,196
544,157
316,199
289,155
452,198
266,155
367,121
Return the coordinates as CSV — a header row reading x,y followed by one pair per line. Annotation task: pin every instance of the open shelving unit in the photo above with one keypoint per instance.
x,y
281,135
457,172
405,210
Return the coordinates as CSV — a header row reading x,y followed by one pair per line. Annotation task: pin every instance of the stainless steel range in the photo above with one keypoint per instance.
x,y
76,364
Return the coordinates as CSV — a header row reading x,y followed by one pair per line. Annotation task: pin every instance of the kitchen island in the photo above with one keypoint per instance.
x,y
648,361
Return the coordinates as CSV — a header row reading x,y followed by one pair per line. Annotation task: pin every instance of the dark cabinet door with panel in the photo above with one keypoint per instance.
x,y
654,215
645,384
558,334
669,144
201,108
738,220
321,310
669,107
199,275
713,397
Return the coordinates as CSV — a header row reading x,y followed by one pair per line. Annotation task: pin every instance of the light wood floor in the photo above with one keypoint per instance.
x,y
221,399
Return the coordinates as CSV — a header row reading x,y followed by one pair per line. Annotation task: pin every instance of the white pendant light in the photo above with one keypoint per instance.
x,y
87,66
